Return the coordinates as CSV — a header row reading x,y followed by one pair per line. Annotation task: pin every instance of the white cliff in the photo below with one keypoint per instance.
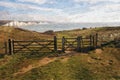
x,y
19,23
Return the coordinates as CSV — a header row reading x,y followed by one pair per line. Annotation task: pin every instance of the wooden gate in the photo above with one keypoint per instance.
x,y
32,46
69,44
80,44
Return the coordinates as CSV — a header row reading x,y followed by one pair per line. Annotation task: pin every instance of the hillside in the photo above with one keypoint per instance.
x,y
99,64
20,34
110,32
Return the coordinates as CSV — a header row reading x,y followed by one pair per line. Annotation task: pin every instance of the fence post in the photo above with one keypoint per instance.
x,y
90,41
96,40
82,41
63,44
78,43
12,47
55,43
93,41
9,46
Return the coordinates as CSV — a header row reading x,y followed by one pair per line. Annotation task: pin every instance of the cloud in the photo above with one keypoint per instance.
x,y
34,1
4,14
99,13
38,1
102,12
33,12
95,16
37,17
96,1
107,7
20,6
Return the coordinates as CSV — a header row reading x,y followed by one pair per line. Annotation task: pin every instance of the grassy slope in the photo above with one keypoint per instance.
x,y
94,66
98,65
21,34
87,32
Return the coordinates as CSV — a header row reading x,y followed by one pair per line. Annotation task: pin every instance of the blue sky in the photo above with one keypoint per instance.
x,y
61,10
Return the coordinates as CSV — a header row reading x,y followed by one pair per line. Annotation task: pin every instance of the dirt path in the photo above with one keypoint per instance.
x,y
42,62
45,61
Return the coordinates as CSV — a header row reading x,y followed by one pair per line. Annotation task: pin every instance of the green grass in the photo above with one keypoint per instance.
x,y
11,64
93,66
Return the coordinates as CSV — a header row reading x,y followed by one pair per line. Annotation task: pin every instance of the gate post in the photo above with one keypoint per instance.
x,y
78,43
96,44
12,46
9,46
93,41
63,44
55,43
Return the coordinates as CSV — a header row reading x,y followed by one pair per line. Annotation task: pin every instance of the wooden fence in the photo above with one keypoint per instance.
x,y
81,44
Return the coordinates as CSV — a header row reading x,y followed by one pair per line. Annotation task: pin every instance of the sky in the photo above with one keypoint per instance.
x,y
61,10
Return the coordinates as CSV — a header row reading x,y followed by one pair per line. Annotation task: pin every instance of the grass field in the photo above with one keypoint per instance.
x,y
97,65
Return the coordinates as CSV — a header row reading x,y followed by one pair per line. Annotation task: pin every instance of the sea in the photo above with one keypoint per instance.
x,y
67,26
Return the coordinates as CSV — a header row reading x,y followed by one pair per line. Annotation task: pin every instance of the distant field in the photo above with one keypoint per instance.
x,y
85,32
